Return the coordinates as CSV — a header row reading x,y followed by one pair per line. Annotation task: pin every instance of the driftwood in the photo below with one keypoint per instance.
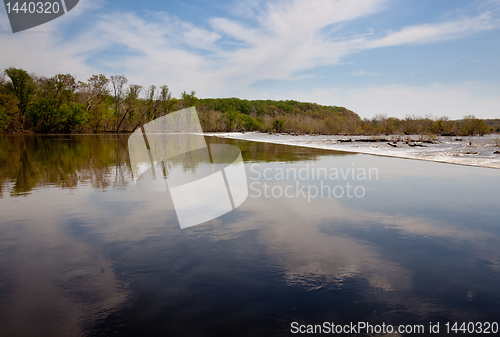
x,y
393,145
370,140
366,140
415,144
345,140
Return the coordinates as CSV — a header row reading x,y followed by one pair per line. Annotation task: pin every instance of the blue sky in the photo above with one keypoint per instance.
x,y
394,57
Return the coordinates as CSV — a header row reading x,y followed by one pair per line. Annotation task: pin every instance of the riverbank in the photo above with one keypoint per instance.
x,y
482,151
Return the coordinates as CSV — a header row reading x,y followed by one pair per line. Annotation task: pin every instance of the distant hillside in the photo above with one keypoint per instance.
x,y
221,114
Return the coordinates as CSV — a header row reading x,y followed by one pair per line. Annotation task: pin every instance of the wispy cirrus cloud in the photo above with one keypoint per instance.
x,y
436,32
279,40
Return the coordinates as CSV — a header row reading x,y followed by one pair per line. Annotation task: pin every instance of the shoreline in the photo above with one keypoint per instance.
x,y
476,151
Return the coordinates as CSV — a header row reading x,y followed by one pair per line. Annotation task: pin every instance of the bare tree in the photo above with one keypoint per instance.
x,y
118,82
3,80
151,102
94,91
131,97
471,126
68,81
151,107
165,100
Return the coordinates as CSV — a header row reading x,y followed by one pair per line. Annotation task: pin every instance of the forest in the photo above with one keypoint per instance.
x,y
63,104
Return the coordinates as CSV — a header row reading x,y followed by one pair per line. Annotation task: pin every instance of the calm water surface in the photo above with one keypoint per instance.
x,y
83,252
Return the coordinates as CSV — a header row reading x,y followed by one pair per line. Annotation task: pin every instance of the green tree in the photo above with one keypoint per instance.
x,y
232,118
72,116
188,100
22,86
250,123
278,125
54,108
9,110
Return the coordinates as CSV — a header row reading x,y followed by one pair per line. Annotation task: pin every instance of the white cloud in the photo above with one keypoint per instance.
x,y
42,50
399,101
285,40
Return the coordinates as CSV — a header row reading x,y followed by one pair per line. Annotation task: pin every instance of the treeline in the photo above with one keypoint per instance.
x,y
62,104
428,125
493,124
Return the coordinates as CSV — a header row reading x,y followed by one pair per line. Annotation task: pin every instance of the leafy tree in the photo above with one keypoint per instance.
x,y
22,86
188,100
9,110
67,117
232,119
54,108
72,115
250,123
278,125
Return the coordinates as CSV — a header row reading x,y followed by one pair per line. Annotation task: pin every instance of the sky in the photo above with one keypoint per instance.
x,y
393,57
